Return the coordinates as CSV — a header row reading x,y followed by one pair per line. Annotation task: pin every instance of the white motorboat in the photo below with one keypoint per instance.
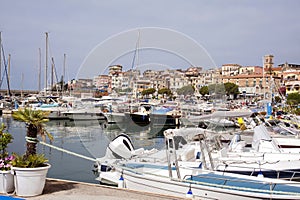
x,y
85,113
179,170
265,156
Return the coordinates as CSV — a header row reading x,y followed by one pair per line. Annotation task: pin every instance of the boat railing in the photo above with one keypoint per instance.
x,y
242,184
260,185
289,175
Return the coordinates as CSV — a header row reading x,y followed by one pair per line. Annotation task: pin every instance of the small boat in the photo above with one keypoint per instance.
x,y
165,115
138,114
178,171
264,156
89,113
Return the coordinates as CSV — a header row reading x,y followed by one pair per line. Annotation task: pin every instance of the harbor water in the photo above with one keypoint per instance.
x,y
88,138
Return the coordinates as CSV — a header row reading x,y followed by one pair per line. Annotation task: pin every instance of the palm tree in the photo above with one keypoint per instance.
x,y
34,120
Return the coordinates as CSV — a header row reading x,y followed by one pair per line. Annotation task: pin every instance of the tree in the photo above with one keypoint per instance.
x,y
204,90
186,90
293,99
34,120
166,91
216,89
231,88
148,91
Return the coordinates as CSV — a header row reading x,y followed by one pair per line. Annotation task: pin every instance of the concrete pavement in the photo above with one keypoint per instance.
x,y
56,189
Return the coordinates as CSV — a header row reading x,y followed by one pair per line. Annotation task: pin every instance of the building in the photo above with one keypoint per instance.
x,y
291,81
103,83
250,70
230,69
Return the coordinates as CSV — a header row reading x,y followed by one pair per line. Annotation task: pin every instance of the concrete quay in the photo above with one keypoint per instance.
x,y
56,189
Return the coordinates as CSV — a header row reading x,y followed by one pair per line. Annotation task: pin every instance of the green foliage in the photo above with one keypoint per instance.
x,y
30,116
166,91
204,90
31,161
5,139
293,99
231,88
34,120
217,89
148,91
186,90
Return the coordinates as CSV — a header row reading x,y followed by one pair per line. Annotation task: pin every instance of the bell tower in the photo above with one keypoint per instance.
x,y
268,62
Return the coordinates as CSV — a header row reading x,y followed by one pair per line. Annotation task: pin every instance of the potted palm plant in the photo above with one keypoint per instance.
x,y
6,178
30,169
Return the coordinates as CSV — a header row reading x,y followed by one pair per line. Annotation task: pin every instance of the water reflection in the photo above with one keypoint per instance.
x,y
88,138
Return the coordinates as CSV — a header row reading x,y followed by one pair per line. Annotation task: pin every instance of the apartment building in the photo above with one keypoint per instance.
x,y
230,69
252,80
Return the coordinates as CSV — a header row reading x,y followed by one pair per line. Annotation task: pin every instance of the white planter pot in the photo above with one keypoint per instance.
x,y
30,181
6,182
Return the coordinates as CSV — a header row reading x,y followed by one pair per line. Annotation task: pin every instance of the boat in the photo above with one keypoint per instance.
x,y
89,113
178,170
138,114
166,114
264,157
114,110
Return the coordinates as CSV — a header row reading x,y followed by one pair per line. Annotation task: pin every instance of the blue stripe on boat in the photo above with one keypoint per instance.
x,y
243,183
9,198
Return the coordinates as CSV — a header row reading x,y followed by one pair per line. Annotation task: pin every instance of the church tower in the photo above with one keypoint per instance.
x,y
268,62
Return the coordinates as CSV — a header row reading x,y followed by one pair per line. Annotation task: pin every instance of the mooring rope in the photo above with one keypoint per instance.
x,y
67,151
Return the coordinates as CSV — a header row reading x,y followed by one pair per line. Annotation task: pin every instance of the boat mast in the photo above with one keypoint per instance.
x,y
52,74
8,74
22,84
64,73
46,65
40,66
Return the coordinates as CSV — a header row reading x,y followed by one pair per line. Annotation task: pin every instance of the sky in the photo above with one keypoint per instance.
x,y
172,33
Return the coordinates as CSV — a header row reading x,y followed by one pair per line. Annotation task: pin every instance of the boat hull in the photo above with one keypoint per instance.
x,y
168,186
137,118
164,120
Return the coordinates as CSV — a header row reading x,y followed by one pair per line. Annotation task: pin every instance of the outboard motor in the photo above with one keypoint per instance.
x,y
120,147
